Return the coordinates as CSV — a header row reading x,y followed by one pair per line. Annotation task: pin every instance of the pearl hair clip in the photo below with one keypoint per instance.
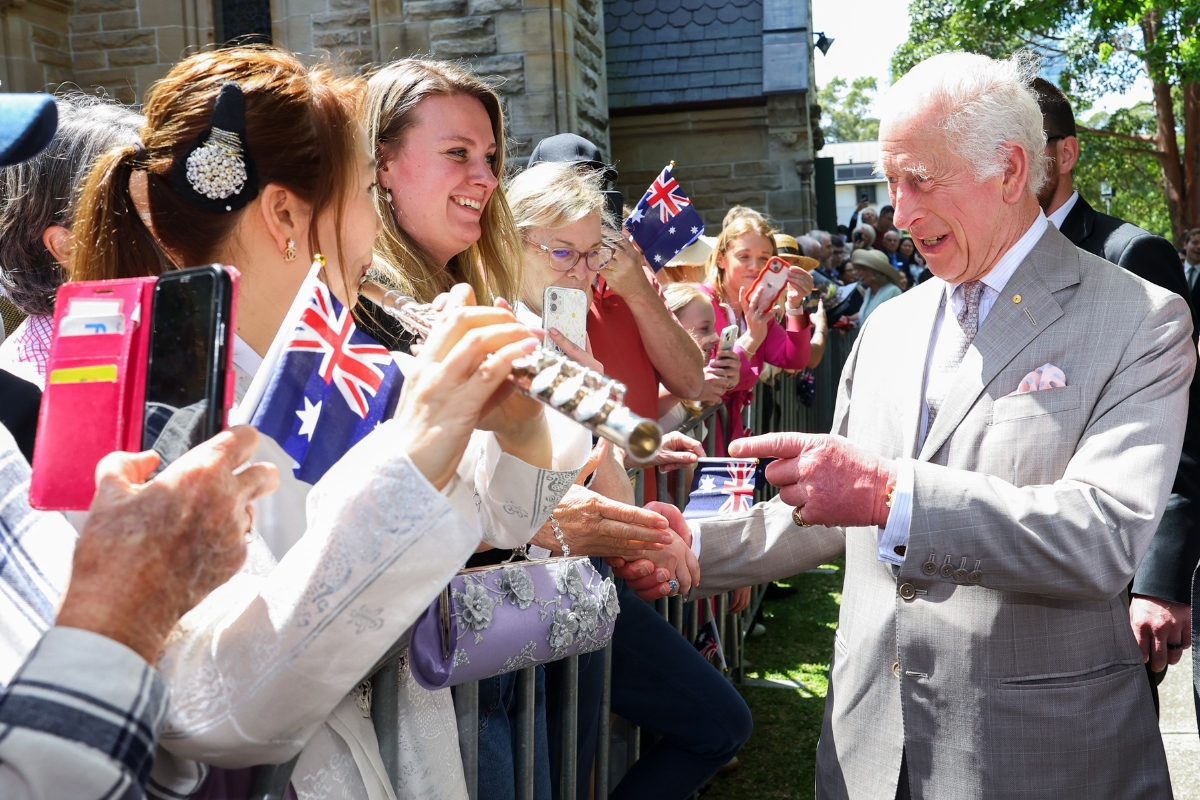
x,y
217,173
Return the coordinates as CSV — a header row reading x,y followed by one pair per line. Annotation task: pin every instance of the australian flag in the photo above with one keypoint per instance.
x,y
721,486
664,221
330,386
708,638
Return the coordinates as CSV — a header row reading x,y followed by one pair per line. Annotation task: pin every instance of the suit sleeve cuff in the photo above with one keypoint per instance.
x,y
893,537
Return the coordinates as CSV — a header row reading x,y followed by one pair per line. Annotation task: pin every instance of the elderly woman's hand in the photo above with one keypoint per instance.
x,y
458,380
151,549
594,525
574,351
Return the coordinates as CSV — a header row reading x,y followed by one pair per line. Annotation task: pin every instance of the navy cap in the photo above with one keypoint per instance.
x,y
27,124
569,148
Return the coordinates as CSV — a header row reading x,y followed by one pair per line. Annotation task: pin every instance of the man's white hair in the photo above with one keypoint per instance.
x,y
984,103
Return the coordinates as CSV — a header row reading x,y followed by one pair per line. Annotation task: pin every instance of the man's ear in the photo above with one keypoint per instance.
x,y
1016,173
285,216
57,240
1068,154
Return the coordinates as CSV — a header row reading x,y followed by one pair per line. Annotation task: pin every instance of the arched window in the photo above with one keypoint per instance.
x,y
243,21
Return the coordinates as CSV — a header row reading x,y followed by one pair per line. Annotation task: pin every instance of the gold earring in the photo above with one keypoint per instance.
x,y
290,253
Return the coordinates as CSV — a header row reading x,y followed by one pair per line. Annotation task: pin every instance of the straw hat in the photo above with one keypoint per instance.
x,y
789,250
876,261
695,253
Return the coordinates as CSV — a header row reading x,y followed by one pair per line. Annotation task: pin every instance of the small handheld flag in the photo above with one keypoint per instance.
x,y
708,638
664,221
721,486
330,383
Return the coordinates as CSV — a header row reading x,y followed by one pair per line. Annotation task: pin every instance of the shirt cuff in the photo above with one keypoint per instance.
x,y
695,538
893,537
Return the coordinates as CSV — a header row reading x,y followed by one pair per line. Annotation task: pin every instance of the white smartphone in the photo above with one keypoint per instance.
x,y
728,337
565,310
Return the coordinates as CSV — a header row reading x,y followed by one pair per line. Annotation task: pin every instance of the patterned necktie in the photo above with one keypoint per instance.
x,y
968,326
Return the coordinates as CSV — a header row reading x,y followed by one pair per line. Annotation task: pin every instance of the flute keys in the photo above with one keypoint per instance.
x,y
543,383
569,392
596,404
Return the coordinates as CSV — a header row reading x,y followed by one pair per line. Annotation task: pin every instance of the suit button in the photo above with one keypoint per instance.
x,y
960,575
947,571
929,568
907,591
896,669
975,577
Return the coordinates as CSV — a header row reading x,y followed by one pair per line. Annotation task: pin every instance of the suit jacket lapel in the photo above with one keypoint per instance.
x,y
1079,223
1010,326
910,383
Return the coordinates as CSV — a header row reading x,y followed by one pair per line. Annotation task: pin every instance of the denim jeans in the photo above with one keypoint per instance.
x,y
497,742
664,686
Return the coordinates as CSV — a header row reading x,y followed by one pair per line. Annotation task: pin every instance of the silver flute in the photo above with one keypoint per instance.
x,y
590,398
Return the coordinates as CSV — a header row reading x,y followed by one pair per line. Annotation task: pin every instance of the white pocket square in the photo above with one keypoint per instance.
x,y
1046,376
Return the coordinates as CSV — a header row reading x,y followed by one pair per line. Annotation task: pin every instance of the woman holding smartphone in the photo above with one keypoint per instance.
x,y
742,252
656,673
269,666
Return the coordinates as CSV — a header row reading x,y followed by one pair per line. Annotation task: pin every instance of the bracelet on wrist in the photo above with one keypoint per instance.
x,y
558,534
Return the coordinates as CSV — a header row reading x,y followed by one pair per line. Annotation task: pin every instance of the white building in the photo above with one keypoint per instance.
x,y
854,176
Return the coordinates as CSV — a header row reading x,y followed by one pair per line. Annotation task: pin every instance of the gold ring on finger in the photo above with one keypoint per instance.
x,y
798,518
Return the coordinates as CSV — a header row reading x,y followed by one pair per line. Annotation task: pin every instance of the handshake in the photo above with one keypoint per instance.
x,y
827,479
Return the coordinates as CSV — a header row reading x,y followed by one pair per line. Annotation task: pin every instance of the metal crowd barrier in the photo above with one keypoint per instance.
x,y
776,407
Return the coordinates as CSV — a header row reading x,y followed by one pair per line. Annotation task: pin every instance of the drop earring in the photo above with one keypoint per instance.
x,y
290,253
389,195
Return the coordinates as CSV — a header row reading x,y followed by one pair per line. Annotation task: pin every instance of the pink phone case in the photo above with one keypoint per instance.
x,y
83,419
773,279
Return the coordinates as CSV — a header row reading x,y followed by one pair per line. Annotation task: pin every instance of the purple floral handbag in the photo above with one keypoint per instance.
x,y
506,617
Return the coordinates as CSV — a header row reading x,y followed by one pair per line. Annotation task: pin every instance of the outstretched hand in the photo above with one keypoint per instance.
x,y
650,576
831,480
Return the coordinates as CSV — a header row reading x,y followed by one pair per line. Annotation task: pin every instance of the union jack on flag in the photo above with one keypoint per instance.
x,y
331,384
708,638
721,486
664,221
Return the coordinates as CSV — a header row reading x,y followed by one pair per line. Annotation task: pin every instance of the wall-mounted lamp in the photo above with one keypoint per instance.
x,y
823,43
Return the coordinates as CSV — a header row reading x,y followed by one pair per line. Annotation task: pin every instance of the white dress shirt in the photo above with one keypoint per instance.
x,y
1060,214
895,533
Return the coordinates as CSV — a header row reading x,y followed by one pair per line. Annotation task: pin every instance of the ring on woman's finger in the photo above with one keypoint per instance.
x,y
1176,646
674,584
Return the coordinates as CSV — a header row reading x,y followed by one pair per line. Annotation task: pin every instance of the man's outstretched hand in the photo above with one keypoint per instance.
x,y
831,481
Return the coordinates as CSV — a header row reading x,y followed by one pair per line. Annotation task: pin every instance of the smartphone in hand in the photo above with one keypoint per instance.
x,y
188,359
772,280
566,310
729,337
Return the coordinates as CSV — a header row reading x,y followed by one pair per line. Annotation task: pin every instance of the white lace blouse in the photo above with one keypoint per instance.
x,y
263,668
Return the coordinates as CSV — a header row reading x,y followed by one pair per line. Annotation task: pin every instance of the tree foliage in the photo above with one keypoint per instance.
x,y
1101,46
844,110
1131,170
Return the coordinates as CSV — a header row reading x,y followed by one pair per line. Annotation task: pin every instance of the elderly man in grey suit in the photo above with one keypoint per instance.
x,y
1005,440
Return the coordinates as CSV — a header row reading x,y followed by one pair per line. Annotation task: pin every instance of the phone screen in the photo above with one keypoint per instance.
x,y
183,378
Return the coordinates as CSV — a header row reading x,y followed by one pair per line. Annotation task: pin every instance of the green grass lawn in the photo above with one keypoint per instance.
x,y
778,761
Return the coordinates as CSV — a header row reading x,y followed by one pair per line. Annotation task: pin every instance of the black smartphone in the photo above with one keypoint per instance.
x,y
187,360
614,204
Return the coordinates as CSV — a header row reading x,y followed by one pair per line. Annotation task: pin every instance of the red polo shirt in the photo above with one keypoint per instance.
x,y
617,344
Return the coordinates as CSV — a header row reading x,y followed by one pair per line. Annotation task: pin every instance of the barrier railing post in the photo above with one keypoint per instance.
x,y
604,736
466,713
385,713
570,728
523,735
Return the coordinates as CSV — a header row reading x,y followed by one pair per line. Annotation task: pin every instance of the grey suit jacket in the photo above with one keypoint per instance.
x,y
999,655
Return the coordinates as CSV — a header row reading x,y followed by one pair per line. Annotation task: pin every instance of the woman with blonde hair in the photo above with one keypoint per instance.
x,y
270,665
438,133
743,249
656,674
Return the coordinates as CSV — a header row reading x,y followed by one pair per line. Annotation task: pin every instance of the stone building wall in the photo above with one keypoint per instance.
x,y
759,156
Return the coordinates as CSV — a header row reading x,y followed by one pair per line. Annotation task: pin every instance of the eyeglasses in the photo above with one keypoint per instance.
x,y
563,259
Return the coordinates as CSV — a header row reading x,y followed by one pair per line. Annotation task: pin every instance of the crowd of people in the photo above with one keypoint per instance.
x,y
200,621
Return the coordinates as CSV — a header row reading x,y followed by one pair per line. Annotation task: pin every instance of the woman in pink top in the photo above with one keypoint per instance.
x,y
743,249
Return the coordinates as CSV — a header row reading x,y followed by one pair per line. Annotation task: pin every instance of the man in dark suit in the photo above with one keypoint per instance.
x,y
1160,605
19,403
